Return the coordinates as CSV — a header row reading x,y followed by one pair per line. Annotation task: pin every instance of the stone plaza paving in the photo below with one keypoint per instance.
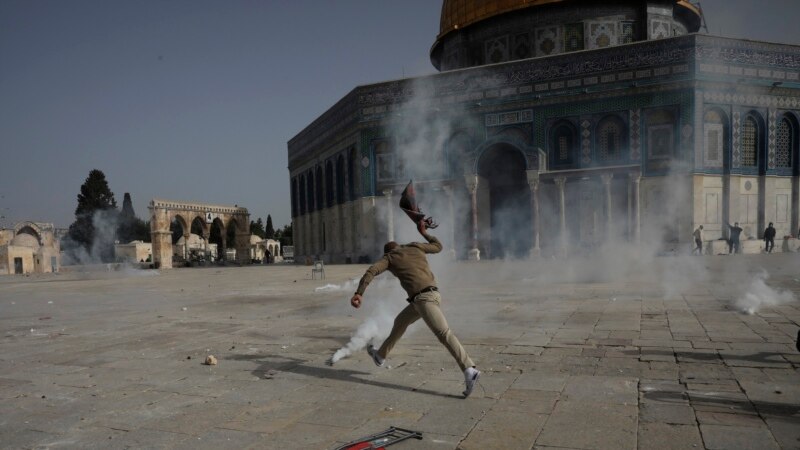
x,y
591,355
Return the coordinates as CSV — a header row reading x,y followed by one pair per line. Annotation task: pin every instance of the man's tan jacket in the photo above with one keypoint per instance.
x,y
408,263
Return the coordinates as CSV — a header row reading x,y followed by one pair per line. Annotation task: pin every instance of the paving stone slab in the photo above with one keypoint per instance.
x,y
669,436
603,426
719,437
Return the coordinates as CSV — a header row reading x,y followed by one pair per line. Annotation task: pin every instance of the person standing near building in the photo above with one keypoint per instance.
x,y
733,237
769,238
698,240
410,265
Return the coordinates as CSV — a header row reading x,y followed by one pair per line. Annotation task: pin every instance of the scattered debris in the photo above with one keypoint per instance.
x,y
270,374
284,347
50,302
188,357
184,308
210,360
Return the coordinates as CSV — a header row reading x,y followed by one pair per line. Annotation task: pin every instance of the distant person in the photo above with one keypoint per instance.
x,y
698,240
769,238
733,237
410,265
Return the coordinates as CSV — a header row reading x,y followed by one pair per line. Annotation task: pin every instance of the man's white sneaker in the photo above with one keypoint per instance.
x,y
471,376
376,358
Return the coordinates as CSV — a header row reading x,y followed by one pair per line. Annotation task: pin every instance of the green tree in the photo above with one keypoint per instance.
x,y
257,228
270,230
131,228
284,236
95,218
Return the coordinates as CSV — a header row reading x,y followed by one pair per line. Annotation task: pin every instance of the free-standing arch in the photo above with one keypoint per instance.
x,y
164,212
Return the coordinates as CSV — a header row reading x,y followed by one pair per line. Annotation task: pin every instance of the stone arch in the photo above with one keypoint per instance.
x,y
318,192
329,193
301,194
352,172
504,196
717,139
31,229
310,191
164,212
340,180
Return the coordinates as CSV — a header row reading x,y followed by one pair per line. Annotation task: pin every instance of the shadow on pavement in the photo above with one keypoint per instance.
x,y
299,367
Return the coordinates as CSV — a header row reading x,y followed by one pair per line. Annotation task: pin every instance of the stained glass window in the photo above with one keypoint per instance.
x,y
749,142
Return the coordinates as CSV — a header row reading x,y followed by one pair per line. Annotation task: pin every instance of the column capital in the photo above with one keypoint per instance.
x,y
606,178
447,189
533,179
635,177
560,181
471,179
387,192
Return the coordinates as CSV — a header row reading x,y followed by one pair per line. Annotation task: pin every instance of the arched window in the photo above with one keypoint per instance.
x,y
611,142
318,184
340,179
310,191
302,194
750,140
293,189
384,160
563,145
329,194
351,174
785,138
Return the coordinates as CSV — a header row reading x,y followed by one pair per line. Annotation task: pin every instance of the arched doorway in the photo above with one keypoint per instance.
x,y
502,169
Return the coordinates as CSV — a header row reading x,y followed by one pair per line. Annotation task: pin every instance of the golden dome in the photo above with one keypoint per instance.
x,y
458,14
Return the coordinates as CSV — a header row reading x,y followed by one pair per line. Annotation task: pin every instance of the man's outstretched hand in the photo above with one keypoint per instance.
x,y
422,228
356,301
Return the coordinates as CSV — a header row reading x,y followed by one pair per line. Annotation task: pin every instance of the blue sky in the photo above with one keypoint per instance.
x,y
195,100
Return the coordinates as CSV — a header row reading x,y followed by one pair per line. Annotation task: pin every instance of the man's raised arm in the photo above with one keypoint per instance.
x,y
433,245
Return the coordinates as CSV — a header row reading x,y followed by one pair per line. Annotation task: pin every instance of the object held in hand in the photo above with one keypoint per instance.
x,y
408,203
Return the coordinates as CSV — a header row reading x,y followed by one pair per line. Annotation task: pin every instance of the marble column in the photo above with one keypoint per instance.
x,y
186,246
389,215
606,180
635,179
472,186
562,215
452,218
533,184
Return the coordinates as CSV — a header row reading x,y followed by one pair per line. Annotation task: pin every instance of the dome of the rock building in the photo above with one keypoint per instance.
x,y
479,32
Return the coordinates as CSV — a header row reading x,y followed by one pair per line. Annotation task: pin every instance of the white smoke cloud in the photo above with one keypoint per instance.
x,y
759,295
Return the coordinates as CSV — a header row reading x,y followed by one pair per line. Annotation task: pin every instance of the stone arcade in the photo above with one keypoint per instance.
x,y
593,122
165,215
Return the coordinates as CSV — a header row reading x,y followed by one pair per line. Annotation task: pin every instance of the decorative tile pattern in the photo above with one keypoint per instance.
x,y
660,29
772,116
635,121
509,118
601,34
496,50
783,144
660,141
714,140
736,144
548,41
586,142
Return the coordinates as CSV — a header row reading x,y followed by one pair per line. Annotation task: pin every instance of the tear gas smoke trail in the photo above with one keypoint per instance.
x,y
759,294
372,331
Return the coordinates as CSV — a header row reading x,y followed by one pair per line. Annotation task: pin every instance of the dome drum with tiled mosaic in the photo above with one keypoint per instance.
x,y
477,32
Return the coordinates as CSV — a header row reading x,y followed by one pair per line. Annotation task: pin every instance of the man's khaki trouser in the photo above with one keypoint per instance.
x,y
426,306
